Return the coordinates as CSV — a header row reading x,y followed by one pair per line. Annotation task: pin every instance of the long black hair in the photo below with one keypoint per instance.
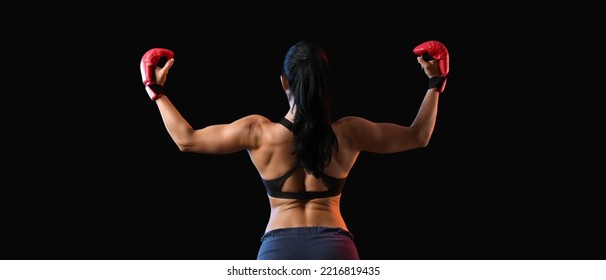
x,y
306,69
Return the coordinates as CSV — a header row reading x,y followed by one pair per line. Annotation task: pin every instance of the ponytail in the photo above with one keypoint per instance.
x,y
306,69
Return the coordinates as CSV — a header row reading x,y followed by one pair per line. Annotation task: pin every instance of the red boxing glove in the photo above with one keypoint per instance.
x,y
438,51
149,61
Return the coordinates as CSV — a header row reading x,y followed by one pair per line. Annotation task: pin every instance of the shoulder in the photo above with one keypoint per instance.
x,y
346,124
254,119
252,127
253,123
349,129
247,125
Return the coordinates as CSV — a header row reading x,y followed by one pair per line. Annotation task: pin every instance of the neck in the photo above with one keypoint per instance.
x,y
290,115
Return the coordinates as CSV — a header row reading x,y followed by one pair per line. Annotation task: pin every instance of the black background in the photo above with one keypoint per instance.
x,y
93,174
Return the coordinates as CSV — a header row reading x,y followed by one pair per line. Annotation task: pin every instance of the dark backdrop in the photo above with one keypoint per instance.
x,y
94,175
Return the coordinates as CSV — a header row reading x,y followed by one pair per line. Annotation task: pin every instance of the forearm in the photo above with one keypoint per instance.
x,y
178,128
425,120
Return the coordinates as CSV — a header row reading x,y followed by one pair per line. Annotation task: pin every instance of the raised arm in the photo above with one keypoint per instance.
x,y
364,135
215,139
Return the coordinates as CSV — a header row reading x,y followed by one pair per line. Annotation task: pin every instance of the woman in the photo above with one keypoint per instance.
x,y
304,158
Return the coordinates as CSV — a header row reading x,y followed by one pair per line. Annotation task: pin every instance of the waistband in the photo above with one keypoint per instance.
x,y
307,231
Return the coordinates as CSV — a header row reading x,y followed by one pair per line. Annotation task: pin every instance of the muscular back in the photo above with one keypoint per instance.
x,y
273,157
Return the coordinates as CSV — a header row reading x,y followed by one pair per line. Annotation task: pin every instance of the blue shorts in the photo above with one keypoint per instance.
x,y
308,243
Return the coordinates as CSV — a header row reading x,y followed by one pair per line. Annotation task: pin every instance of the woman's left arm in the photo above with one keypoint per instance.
x,y
214,139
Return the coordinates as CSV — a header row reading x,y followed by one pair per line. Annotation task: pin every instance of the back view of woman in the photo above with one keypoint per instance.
x,y
304,158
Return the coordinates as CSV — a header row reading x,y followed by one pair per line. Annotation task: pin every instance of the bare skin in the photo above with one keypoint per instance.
x,y
269,146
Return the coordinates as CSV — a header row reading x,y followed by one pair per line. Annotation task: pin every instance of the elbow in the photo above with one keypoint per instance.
x,y
422,139
422,143
183,148
184,145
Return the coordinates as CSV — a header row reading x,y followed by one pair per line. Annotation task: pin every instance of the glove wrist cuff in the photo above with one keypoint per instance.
x,y
157,91
436,82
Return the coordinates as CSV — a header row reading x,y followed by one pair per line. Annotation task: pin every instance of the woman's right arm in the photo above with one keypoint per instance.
x,y
364,135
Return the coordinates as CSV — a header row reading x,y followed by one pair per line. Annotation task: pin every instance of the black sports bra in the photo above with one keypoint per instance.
x,y
274,186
